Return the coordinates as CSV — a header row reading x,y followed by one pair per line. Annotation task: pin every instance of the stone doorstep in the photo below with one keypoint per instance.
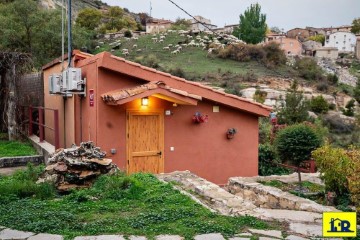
x,y
211,236
8,234
44,236
101,237
137,238
169,237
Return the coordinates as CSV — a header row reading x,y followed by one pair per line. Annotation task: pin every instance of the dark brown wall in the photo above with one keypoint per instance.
x,y
30,89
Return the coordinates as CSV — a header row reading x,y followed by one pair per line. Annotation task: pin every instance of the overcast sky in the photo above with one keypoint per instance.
x,y
285,14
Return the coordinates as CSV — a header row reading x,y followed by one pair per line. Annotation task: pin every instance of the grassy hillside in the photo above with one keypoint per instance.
x,y
192,62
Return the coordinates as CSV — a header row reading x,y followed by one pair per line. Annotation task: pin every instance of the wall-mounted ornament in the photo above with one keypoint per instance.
x,y
199,118
231,133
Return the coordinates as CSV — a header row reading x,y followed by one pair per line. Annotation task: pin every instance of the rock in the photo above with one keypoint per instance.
x,y
60,167
137,238
266,238
210,236
101,237
248,93
245,234
104,161
293,237
314,230
76,167
44,236
239,238
168,237
270,233
8,234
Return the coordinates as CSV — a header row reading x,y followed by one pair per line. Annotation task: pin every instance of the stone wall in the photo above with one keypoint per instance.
x,y
30,90
20,161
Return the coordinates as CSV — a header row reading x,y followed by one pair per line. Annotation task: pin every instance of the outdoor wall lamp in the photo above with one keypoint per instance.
x,y
145,101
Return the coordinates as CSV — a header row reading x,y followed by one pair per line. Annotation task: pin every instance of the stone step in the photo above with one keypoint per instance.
x,y
8,234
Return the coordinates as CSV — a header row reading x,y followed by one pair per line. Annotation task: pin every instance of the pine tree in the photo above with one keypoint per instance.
x,y
252,27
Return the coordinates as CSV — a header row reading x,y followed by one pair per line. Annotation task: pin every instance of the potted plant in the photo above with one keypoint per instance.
x,y
199,118
231,133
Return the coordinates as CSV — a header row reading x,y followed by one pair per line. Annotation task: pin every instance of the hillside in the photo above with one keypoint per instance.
x,y
77,5
192,62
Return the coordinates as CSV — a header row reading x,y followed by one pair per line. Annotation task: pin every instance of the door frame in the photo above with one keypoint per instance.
x,y
160,113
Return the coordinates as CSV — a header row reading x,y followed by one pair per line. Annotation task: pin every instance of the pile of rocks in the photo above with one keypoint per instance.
x,y
77,167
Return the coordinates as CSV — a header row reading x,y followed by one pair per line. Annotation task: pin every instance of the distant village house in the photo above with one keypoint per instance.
x,y
343,41
158,25
201,24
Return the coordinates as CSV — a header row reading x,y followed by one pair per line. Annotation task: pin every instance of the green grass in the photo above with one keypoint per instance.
x,y
192,60
130,205
16,148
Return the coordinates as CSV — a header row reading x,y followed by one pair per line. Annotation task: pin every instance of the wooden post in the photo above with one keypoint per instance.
x,y
56,129
41,123
30,121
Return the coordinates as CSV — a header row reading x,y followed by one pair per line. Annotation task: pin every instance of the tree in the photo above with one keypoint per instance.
x,y
318,38
295,108
89,18
355,28
116,19
319,105
276,30
295,144
252,27
357,91
181,24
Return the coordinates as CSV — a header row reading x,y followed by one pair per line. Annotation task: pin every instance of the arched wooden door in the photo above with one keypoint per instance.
x,y
145,142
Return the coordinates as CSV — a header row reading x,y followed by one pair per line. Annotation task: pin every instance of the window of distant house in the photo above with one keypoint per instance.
x,y
337,42
343,48
329,51
334,37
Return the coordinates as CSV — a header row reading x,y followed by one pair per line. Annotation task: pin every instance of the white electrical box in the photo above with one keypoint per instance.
x,y
71,79
54,84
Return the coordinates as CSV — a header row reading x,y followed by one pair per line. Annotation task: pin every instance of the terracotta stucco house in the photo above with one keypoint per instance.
x,y
289,45
163,136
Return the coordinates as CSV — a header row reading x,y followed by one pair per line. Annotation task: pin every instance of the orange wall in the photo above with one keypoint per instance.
x,y
200,148
67,127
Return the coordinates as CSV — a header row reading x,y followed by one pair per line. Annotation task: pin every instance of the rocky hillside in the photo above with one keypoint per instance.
x,y
76,4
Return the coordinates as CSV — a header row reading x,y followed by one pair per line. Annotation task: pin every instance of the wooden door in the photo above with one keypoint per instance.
x,y
145,142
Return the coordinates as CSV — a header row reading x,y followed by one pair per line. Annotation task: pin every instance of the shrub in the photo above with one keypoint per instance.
x,y
260,96
337,125
267,162
332,79
295,143
264,130
322,86
128,34
319,105
295,108
349,108
179,72
308,69
340,170
274,55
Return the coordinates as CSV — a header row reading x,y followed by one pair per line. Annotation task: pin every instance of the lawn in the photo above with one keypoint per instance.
x,y
15,148
130,205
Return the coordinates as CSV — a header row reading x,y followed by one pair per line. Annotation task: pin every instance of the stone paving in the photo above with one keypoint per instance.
x,y
229,204
9,234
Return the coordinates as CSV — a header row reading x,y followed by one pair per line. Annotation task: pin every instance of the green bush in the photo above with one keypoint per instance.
x,y
319,105
295,143
308,69
270,54
295,108
267,162
128,34
264,130
349,108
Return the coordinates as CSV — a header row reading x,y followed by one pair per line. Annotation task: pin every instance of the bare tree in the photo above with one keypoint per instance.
x,y
12,66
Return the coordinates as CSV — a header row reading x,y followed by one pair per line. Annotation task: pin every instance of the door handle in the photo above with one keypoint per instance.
x,y
159,153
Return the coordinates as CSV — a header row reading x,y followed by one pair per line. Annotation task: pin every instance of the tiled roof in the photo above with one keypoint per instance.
x,y
267,108
114,96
